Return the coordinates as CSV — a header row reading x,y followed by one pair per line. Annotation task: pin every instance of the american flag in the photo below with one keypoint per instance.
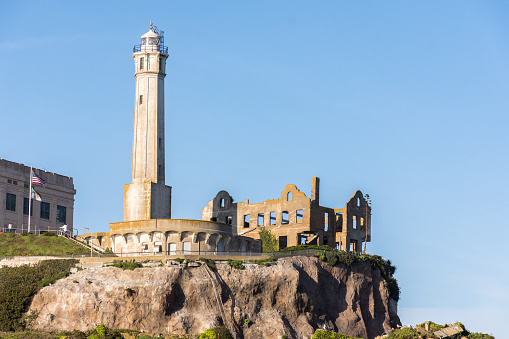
x,y
37,180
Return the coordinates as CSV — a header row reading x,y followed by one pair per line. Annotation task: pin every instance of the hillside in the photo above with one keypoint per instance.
x,y
30,245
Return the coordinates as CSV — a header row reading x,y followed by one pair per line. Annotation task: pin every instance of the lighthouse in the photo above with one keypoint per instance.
x,y
147,196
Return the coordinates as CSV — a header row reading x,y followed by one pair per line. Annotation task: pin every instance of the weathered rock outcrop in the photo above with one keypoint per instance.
x,y
294,297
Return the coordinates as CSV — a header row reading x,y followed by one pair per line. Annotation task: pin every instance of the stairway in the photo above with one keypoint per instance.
x,y
95,248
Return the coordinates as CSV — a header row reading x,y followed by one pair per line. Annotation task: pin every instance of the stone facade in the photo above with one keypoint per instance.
x,y
296,219
55,210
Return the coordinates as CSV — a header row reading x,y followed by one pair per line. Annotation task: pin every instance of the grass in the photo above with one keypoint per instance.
x,y
33,245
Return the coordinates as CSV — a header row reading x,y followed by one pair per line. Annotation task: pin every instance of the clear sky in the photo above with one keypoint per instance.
x,y
404,100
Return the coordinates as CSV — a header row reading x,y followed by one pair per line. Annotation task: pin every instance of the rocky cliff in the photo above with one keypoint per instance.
x,y
294,297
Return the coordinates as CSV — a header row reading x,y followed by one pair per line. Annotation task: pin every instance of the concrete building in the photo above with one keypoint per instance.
x,y
55,210
147,227
296,219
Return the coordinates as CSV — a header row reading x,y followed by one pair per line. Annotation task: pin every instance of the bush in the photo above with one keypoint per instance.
x,y
405,333
267,262
238,264
49,234
269,240
377,262
126,265
322,334
19,284
210,263
306,247
220,332
179,260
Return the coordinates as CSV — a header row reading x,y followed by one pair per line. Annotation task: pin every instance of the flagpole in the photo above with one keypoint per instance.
x,y
30,199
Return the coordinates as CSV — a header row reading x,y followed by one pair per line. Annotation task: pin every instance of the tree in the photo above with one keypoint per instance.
x,y
269,240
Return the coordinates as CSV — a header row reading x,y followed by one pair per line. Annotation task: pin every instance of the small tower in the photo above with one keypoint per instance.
x,y
147,197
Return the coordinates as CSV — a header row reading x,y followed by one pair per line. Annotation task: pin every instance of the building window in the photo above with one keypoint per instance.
x,y
272,218
10,202
283,242
246,220
158,247
260,219
354,222
221,204
229,220
142,63
186,247
44,210
289,196
144,247
25,207
284,217
61,214
326,222
303,239
300,215
141,99
325,240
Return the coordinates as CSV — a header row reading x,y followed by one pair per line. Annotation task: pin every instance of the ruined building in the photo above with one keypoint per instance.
x,y
296,219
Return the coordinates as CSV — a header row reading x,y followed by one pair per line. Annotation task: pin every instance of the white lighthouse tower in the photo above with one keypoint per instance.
x,y
147,197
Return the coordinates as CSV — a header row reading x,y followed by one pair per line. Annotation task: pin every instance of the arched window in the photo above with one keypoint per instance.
x,y
186,247
221,203
289,196
172,248
220,246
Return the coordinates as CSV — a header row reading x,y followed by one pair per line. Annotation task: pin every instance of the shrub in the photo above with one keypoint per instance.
x,y
19,284
126,265
477,335
49,234
405,333
101,329
247,322
322,334
220,332
306,247
210,263
179,260
266,262
238,264
269,240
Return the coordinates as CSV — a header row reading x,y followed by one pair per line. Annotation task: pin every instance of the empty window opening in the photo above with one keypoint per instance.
x,y
272,218
222,203
283,242
158,247
284,217
141,99
325,240
326,221
354,222
246,220
362,223
289,196
213,219
9,181
339,222
142,63
144,247
303,239
358,202
299,216
260,219
229,220
353,245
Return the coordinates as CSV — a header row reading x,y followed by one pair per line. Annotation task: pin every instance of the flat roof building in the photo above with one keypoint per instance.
x,y
55,209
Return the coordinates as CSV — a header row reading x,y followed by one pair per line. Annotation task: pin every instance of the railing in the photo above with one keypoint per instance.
x,y
150,48
36,230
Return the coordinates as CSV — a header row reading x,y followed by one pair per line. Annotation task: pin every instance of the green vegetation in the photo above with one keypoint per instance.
x,y
126,265
307,247
410,333
220,332
386,268
267,262
322,334
19,284
24,245
210,263
269,240
179,260
238,264
406,333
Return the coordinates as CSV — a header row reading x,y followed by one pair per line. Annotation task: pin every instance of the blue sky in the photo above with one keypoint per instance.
x,y
406,101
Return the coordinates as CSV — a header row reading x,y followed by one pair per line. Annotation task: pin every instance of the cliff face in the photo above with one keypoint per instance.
x,y
294,297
